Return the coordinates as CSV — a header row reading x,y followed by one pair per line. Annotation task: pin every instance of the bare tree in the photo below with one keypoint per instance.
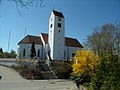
x,y
116,36
105,38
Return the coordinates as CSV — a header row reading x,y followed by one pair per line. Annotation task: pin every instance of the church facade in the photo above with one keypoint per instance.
x,y
54,46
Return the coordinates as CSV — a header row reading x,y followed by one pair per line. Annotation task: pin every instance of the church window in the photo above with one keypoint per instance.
x,y
23,52
51,25
59,25
73,54
38,53
64,53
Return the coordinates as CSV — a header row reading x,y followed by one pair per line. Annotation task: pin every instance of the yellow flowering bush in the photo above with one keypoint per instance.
x,y
84,62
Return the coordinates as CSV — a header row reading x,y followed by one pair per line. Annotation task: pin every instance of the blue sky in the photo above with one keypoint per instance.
x,y
81,17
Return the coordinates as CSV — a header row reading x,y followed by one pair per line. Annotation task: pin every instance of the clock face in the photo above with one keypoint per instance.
x,y
59,19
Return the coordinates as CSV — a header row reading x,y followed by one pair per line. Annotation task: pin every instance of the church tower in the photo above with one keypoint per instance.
x,y
56,35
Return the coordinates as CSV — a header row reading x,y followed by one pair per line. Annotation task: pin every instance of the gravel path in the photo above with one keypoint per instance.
x,y
11,80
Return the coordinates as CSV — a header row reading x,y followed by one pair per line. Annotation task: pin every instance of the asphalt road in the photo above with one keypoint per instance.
x,y
11,80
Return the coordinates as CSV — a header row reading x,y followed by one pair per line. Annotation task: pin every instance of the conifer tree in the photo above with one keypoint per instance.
x,y
1,50
32,52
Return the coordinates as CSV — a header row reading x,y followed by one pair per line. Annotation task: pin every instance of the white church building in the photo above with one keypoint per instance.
x,y
53,46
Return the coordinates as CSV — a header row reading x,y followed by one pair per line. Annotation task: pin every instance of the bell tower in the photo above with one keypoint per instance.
x,y
56,35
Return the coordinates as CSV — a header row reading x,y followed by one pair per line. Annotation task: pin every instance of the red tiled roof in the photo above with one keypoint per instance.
x,y
72,42
30,39
45,37
68,41
37,40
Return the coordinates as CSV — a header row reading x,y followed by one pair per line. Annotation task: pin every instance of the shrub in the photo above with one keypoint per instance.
x,y
85,63
31,73
108,74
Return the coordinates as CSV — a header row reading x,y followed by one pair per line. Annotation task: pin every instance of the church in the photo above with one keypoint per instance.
x,y
52,46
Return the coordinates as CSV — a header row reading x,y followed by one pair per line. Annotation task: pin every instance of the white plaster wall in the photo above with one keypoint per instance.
x,y
46,51
45,48
38,47
27,48
69,50
18,54
51,34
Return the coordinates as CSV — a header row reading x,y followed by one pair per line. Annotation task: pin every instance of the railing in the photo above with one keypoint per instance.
x,y
53,72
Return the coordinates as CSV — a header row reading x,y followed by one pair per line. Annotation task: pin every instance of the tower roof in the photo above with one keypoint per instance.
x,y
56,13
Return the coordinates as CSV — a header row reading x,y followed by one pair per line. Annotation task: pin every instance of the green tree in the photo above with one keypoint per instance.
x,y
1,53
7,55
107,76
33,52
13,54
1,50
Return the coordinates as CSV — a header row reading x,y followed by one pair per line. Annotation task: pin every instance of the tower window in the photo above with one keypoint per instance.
x,y
59,25
59,19
51,25
59,31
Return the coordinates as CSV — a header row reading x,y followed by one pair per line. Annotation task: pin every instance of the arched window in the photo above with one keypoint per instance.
x,y
38,53
24,52
51,25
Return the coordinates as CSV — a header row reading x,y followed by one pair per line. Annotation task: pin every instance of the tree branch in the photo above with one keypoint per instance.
x,y
20,4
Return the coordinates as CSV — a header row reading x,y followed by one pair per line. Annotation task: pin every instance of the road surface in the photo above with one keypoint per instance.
x,y
11,80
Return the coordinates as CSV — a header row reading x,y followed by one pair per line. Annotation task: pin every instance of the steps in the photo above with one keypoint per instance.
x,y
48,75
62,69
43,66
46,71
